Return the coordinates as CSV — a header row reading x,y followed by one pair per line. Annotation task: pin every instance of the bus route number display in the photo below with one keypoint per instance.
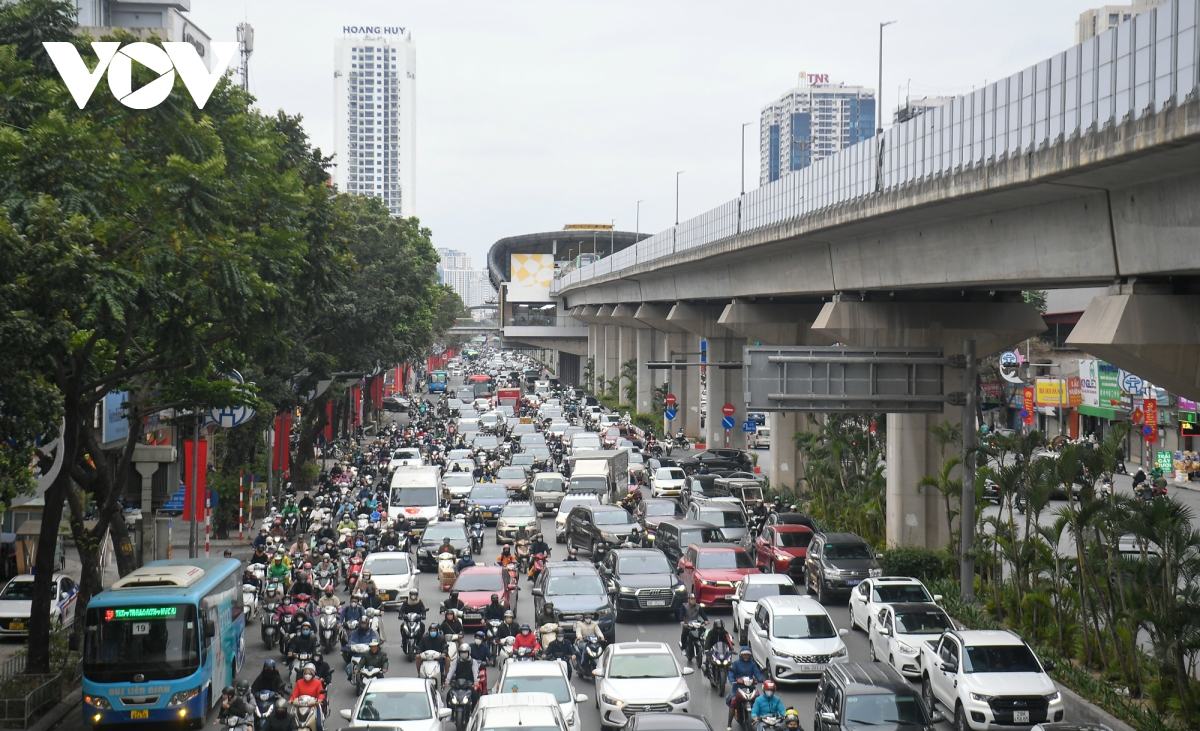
x,y
140,613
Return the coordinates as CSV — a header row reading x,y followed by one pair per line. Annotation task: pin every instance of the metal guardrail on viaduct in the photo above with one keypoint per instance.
x,y
1032,159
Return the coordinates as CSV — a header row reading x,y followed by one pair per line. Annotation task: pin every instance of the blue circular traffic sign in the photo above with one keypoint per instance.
x,y
1147,430
727,422
1024,413
670,414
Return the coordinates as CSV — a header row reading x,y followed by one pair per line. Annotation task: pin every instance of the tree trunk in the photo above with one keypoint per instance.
x,y
87,543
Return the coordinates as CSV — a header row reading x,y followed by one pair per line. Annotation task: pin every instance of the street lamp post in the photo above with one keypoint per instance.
x,y
637,227
612,238
879,90
677,174
744,125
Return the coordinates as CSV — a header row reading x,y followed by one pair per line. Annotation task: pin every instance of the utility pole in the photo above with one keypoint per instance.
x,y
967,519
879,89
744,125
637,227
612,238
677,174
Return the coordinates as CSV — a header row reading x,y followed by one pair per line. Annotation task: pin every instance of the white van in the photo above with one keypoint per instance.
x,y
414,495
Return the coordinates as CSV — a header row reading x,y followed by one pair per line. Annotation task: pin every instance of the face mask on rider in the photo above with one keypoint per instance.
x,y
308,676
768,693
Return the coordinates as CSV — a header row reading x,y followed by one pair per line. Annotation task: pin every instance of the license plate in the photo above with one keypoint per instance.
x,y
146,714
812,668
487,515
853,582
1020,716
16,625
384,595
656,603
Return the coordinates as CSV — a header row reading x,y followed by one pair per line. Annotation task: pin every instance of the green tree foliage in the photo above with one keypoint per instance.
x,y
843,468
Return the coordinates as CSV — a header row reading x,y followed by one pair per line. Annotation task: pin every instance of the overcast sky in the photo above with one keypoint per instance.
x,y
531,115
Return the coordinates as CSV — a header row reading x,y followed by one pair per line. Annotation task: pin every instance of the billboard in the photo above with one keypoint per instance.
x,y
529,277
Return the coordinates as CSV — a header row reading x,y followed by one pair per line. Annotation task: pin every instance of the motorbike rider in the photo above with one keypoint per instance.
x,y
325,532
354,611
269,679
481,650
528,639
248,577
390,538
329,599
453,602
305,642
285,607
260,540
791,720
494,609
547,615
302,585
743,667
357,633
326,564
767,704
232,705
306,501
413,605
506,556
290,508
714,635
689,611
465,562
509,627
260,554
376,657
573,555
278,570
310,685
324,671
451,625
464,668
585,628
560,649
281,719
277,529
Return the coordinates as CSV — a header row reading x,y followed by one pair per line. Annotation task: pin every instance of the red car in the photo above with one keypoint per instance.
x,y
710,571
475,586
781,549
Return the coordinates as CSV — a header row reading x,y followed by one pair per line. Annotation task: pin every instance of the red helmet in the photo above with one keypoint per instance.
x,y
768,685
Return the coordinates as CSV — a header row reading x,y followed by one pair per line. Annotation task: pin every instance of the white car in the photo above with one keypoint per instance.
x,y
667,481
750,589
394,574
405,457
532,711
564,508
793,639
458,484
16,602
543,676
761,438
873,593
636,677
898,631
408,703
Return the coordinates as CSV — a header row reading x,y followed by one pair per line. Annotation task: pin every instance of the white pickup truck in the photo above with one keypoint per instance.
x,y
988,679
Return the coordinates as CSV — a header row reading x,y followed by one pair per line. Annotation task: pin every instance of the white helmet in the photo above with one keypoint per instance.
x,y
464,647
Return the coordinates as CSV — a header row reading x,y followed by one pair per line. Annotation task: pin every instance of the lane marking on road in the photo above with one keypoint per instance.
x,y
641,629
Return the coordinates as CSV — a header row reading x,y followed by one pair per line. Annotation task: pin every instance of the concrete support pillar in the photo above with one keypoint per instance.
x,y
645,377
626,351
147,470
785,463
667,338
702,322
595,354
689,401
918,518
611,355
725,386
1144,332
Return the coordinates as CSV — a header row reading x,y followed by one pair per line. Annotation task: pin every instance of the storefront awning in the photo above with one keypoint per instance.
x,y
1102,412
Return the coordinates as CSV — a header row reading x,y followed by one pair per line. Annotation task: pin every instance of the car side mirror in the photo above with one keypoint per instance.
x,y
828,717
346,714
536,591
581,698
937,717
443,714
416,572
210,629
761,633
687,565
62,597
843,632
688,670
879,556
883,631
949,666
937,597
1049,665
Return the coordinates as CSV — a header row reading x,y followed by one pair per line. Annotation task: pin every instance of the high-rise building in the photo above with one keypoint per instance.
x,y
453,259
375,117
1093,22
472,285
145,18
812,122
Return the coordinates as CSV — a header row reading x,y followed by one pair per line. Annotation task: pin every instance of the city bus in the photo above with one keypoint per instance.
x,y
437,381
162,642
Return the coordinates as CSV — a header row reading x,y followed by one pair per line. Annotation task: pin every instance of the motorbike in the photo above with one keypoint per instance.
x,y
477,538
297,665
695,640
286,631
493,639
525,654
267,629
353,570
539,565
357,651
772,723
374,620
264,703
306,710
459,699
325,579
411,631
431,667
304,603
238,723
447,571
274,591
587,662
744,695
523,555
717,669
505,651
329,628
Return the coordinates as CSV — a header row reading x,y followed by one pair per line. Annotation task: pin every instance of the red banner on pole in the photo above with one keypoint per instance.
x,y
283,441
194,499
1030,406
328,421
1150,407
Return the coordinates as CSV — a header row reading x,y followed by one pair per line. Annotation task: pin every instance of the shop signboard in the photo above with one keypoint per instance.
x,y
1187,405
1165,461
1187,417
1074,392
1089,383
1049,392
1108,384
991,390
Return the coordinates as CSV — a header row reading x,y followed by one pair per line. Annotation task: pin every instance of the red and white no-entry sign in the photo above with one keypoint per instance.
x,y
670,399
727,409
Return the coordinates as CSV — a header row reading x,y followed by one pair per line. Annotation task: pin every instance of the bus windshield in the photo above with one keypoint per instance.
x,y
414,497
160,642
437,377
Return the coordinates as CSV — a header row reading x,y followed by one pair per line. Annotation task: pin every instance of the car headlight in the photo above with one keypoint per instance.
x,y
784,655
183,696
98,702
840,652
680,587
627,590
1053,697
681,699
611,701
835,573
876,572
980,698
502,525
571,720
906,649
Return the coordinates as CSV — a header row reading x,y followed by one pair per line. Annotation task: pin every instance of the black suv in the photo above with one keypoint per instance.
x,y
575,588
431,541
854,695
641,580
590,525
719,460
674,536
838,562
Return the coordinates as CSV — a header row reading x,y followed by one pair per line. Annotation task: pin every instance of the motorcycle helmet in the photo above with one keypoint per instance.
x,y
414,594
791,718
268,664
574,553
464,651
281,708
719,625
374,644
745,652
243,686
433,629
480,635
768,688
309,668
525,629
329,590
228,691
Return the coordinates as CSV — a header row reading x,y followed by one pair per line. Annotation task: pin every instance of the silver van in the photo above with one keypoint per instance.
x,y
548,491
